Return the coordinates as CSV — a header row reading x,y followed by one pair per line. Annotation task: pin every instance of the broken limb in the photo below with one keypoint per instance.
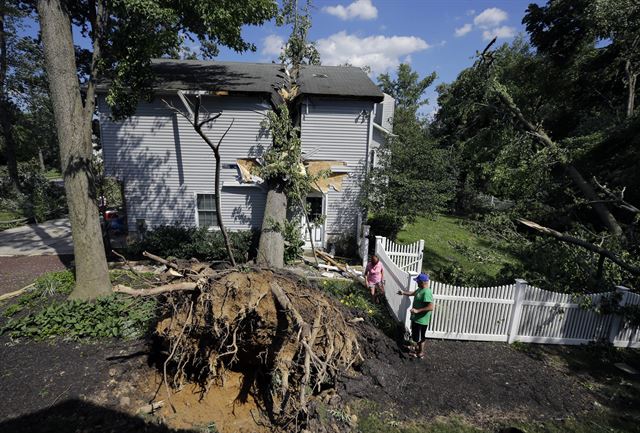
x,y
177,287
582,243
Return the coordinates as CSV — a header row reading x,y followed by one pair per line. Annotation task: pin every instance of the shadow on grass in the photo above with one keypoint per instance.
x,y
79,416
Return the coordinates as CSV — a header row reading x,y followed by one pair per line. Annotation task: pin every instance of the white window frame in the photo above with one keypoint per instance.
x,y
195,198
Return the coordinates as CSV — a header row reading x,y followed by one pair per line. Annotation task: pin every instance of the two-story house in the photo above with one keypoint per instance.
x,y
168,171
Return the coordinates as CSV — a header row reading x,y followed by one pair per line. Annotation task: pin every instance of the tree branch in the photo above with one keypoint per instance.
x,y
97,16
177,287
582,243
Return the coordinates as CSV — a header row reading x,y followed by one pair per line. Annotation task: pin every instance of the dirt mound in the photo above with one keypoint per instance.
x,y
288,343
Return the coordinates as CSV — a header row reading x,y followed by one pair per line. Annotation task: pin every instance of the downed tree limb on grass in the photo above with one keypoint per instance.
x,y
15,293
177,287
582,243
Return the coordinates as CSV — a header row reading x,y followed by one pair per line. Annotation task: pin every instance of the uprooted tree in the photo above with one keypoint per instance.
x,y
289,341
125,35
284,171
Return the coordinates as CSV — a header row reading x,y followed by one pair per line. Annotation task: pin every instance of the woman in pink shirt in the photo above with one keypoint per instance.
x,y
374,275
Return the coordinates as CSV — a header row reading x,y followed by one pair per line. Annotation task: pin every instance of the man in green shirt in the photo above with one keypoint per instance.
x,y
420,312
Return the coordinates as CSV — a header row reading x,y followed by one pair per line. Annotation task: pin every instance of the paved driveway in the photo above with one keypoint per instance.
x,y
49,238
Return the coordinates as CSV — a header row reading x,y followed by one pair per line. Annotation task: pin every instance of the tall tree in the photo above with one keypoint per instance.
x,y
280,173
125,35
9,14
412,177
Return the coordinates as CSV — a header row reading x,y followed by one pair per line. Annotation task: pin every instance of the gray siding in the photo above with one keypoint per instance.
x,y
334,129
164,163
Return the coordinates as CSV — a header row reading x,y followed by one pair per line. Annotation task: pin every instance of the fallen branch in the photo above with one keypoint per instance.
x,y
582,243
176,287
158,259
15,293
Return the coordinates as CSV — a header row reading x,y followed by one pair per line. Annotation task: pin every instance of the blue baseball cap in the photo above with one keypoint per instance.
x,y
422,278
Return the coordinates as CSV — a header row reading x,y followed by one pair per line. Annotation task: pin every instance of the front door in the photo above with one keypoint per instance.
x,y
315,206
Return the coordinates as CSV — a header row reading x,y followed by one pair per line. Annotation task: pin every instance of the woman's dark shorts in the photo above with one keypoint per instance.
x,y
418,332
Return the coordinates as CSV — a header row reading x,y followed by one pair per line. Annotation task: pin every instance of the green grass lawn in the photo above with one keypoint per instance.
x,y
448,241
53,173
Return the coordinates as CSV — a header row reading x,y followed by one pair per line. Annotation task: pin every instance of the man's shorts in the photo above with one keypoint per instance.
x,y
418,332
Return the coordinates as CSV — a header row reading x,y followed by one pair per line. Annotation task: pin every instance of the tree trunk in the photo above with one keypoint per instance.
x,y
5,113
271,245
73,129
631,88
225,235
600,209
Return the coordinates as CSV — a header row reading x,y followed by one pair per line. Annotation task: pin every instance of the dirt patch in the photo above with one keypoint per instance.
x,y
19,271
485,382
228,407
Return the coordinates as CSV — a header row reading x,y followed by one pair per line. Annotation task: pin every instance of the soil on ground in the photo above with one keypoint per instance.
x,y
19,271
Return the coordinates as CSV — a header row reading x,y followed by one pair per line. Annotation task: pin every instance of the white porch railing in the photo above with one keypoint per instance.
x,y
515,312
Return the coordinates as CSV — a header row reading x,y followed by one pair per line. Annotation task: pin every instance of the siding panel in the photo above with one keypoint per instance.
x,y
338,130
164,162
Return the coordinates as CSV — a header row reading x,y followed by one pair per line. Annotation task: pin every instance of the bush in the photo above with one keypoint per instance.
x,y
189,242
387,225
114,316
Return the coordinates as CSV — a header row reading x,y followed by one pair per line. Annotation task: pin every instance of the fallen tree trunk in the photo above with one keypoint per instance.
x,y
582,243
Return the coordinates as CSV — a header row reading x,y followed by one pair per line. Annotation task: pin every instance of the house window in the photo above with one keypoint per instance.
x,y
206,207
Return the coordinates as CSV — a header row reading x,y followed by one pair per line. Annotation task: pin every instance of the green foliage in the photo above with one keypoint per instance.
x,y
387,224
358,298
293,241
189,242
38,198
413,176
298,50
45,286
108,317
139,30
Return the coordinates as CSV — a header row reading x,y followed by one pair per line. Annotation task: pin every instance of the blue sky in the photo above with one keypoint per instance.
x,y
432,35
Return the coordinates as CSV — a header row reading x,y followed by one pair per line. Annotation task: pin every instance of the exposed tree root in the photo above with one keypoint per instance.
x,y
290,341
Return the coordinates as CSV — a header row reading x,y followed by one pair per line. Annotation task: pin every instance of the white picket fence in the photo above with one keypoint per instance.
x,y
515,312
406,257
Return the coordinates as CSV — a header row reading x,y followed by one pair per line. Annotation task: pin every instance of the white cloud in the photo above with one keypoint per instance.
x,y
381,53
363,9
471,12
461,31
500,32
491,17
272,45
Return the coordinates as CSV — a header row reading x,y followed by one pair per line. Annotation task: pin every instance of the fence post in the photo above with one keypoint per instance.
x,y
364,245
516,311
616,321
420,255
379,244
411,286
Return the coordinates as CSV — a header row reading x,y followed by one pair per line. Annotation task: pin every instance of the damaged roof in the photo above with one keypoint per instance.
x,y
265,78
